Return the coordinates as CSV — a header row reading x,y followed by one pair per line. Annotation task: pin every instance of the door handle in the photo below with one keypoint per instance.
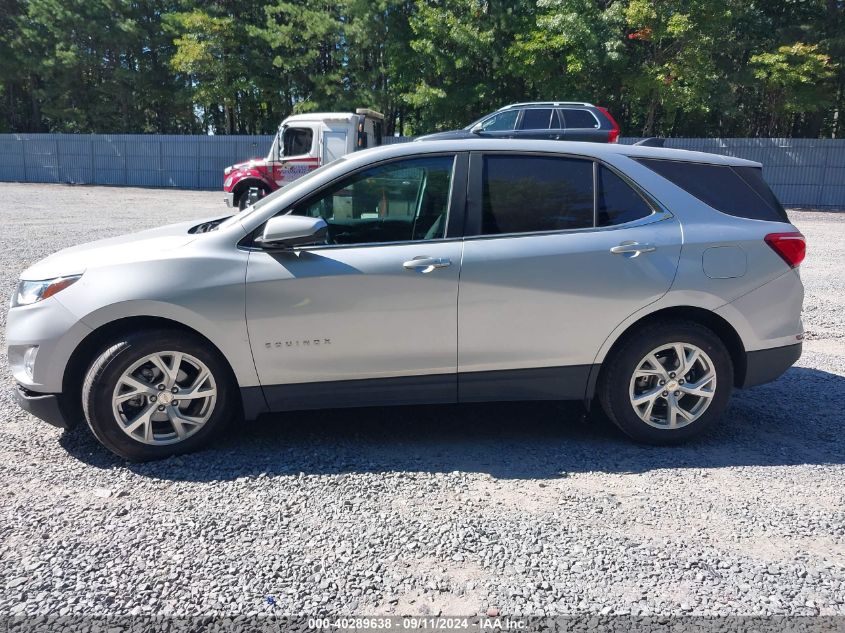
x,y
632,249
423,264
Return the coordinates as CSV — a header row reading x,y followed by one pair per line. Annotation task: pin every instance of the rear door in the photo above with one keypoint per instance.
x,y
549,269
540,123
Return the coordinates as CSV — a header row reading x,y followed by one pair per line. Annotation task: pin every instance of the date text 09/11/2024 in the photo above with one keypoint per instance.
x,y
421,623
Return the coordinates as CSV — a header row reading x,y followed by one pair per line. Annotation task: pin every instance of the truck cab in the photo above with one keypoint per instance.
x,y
302,143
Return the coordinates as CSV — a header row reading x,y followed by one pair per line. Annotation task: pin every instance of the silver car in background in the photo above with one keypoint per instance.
x,y
653,281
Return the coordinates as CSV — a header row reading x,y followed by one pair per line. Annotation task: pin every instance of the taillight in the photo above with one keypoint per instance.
x,y
790,246
613,134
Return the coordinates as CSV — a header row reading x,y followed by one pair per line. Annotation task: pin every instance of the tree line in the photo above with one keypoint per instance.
x,y
662,67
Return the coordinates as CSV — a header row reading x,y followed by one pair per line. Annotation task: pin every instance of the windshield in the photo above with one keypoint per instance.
x,y
269,198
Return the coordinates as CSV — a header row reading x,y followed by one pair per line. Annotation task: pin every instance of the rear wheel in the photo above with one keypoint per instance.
x,y
155,394
667,382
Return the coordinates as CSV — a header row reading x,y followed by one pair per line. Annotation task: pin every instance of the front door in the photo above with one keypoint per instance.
x,y
552,271
371,316
298,154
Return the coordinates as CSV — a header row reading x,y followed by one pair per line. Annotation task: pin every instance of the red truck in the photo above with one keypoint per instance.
x,y
303,143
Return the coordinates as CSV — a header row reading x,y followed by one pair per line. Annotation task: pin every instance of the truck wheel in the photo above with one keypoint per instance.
x,y
243,199
157,393
667,382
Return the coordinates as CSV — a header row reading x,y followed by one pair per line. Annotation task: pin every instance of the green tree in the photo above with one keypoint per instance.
x,y
462,57
795,80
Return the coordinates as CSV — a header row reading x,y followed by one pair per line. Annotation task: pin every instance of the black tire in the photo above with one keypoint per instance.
x,y
618,370
102,377
244,196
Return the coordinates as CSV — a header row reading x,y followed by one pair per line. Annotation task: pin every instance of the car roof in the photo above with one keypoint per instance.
x,y
592,150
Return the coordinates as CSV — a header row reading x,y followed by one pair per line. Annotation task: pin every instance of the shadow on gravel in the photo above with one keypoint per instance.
x,y
783,423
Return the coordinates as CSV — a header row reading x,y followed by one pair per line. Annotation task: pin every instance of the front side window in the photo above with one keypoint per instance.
x,y
297,141
406,200
617,201
501,122
536,119
536,193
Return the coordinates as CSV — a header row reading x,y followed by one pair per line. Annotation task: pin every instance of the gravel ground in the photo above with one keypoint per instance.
x,y
424,510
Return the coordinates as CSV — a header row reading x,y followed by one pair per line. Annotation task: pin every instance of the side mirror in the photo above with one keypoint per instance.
x,y
476,129
287,231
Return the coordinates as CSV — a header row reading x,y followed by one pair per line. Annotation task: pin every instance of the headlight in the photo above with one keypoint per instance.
x,y
30,292
228,182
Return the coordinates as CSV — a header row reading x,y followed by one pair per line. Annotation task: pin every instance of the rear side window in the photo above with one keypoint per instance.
x,y
580,119
536,119
737,191
617,201
536,193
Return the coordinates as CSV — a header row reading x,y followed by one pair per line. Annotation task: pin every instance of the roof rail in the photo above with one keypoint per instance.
x,y
546,103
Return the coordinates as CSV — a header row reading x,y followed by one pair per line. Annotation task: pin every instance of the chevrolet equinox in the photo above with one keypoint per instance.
x,y
652,280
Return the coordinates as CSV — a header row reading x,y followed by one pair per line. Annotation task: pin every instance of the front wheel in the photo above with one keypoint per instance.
x,y
248,197
667,382
156,394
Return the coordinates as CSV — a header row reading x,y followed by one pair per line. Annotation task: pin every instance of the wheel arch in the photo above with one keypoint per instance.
x,y
85,353
716,323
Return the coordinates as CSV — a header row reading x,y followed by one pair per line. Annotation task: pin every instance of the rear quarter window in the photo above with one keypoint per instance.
x,y
580,119
736,191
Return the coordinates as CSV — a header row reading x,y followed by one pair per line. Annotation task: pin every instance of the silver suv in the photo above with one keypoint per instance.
x,y
652,280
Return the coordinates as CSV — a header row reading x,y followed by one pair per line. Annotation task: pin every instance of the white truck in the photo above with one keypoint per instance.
x,y
303,143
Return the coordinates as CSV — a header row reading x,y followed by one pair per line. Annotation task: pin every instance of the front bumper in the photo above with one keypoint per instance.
x,y
229,198
44,406
766,365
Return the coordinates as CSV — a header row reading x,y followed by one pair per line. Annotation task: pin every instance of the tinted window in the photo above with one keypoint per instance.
x,y
536,193
297,140
753,176
557,121
536,119
401,201
580,118
500,122
735,191
617,201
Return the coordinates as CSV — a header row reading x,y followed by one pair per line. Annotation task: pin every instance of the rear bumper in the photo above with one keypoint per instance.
x,y
44,406
766,365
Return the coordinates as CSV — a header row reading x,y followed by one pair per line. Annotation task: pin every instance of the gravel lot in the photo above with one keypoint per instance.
x,y
424,510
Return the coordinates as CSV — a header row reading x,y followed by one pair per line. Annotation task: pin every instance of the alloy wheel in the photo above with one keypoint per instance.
x,y
673,385
164,398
